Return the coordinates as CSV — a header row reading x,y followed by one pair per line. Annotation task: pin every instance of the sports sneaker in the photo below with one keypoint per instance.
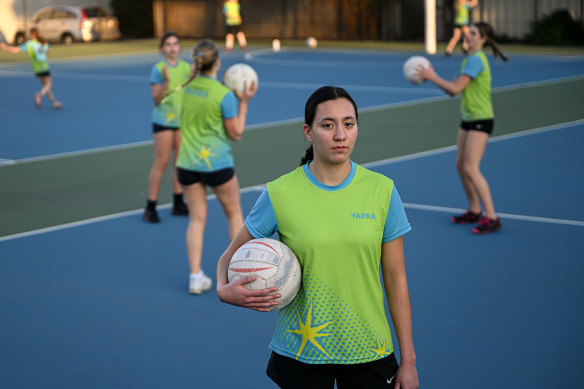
x,y
487,226
199,285
150,216
180,209
467,217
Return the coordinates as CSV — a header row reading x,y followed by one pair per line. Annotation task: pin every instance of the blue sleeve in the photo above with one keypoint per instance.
x,y
24,47
156,76
473,67
229,105
396,223
261,221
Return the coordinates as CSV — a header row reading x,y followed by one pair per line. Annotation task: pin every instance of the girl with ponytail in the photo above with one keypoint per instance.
x,y
344,223
212,116
37,49
474,82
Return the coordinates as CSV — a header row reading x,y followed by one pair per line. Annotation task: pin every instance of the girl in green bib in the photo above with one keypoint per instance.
x,y
344,223
37,49
474,82
212,117
461,21
166,76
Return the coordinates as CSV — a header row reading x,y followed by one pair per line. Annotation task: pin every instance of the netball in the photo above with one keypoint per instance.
x,y
273,263
410,68
236,75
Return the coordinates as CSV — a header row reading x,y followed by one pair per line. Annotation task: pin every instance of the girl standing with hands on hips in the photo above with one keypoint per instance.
x,y
212,115
343,222
37,49
165,77
474,82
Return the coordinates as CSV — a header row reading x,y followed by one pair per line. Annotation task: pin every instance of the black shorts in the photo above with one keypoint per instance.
x,y
289,373
157,128
216,178
42,74
479,125
232,29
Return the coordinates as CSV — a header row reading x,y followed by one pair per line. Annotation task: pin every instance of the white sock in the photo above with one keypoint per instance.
x,y
197,275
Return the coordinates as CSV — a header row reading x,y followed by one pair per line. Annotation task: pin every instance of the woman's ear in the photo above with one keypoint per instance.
x,y
307,132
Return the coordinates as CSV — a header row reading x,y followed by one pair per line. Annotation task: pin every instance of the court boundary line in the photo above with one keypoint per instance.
x,y
388,161
11,162
548,220
499,138
112,216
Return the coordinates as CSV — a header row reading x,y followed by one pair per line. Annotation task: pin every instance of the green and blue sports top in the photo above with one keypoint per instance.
x,y
337,233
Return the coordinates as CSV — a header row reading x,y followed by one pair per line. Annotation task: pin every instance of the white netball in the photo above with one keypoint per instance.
x,y
273,263
236,75
410,68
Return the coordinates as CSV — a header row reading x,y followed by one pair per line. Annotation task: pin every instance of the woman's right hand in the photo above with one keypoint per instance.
x,y
247,94
235,293
426,73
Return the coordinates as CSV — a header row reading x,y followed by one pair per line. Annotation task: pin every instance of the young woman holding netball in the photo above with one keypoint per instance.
x,y
212,116
343,222
474,82
37,49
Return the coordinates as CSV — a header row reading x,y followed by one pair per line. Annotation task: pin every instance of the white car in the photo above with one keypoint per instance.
x,y
68,24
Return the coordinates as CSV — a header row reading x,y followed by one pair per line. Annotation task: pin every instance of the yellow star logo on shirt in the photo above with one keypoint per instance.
x,y
170,117
310,333
205,154
381,350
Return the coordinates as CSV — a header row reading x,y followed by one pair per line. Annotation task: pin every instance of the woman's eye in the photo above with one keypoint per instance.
x,y
349,124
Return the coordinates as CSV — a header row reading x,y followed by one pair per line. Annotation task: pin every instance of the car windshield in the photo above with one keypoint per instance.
x,y
95,12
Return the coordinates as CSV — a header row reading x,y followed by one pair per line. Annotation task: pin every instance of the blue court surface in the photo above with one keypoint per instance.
x,y
103,303
108,102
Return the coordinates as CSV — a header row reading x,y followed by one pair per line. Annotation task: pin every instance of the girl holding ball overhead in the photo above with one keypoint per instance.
x,y
344,223
474,82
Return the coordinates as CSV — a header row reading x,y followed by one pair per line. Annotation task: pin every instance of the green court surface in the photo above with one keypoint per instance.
x,y
66,189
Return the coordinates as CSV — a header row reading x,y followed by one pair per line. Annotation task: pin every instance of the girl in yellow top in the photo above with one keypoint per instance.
x,y
37,49
461,22
231,10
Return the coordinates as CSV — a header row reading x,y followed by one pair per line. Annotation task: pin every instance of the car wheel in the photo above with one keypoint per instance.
x,y
19,39
67,39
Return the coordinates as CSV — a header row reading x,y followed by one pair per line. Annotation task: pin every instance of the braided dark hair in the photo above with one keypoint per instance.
x,y
321,95
205,53
487,31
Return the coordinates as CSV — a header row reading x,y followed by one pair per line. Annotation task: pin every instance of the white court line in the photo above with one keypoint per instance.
x,y
263,84
286,121
368,88
547,220
255,188
79,152
499,138
433,208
